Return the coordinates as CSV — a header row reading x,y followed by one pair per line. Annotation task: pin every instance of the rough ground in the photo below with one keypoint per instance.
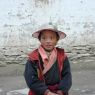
x,y
12,81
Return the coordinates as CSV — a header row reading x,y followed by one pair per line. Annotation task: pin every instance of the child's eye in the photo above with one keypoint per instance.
x,y
51,38
43,38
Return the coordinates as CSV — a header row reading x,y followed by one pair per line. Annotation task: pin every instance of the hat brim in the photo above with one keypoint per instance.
x,y
61,34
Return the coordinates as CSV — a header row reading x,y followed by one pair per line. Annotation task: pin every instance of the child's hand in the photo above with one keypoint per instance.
x,y
51,93
59,92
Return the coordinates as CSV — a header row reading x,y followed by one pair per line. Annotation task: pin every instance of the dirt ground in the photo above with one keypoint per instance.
x,y
83,74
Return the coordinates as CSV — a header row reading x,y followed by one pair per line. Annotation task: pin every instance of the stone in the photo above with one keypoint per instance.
x,y
3,64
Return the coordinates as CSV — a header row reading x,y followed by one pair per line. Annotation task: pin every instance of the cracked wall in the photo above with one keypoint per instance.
x,y
18,20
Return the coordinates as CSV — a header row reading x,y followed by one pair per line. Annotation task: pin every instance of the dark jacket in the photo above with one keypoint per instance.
x,y
52,77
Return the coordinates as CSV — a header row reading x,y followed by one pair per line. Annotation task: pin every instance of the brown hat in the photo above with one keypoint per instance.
x,y
51,27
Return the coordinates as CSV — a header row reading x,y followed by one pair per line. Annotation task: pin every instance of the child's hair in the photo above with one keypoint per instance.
x,y
39,37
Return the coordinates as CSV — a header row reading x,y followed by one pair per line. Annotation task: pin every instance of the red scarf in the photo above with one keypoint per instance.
x,y
48,61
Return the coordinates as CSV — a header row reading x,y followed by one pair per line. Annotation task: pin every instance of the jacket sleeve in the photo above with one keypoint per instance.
x,y
66,82
32,80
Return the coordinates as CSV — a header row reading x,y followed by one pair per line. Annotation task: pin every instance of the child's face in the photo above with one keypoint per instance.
x,y
48,40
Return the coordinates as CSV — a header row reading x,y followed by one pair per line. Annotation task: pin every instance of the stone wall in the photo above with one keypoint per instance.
x,y
18,20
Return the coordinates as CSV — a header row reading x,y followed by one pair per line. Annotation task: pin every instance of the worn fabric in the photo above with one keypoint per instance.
x,y
48,61
52,77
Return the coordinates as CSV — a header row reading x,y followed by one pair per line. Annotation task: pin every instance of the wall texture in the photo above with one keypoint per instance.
x,y
19,18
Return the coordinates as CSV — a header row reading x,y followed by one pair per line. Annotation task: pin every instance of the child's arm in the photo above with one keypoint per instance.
x,y
32,80
66,81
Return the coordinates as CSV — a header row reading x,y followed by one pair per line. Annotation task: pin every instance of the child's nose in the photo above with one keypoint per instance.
x,y
48,40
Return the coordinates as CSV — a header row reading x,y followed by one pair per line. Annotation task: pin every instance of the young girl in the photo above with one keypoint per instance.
x,y
47,70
